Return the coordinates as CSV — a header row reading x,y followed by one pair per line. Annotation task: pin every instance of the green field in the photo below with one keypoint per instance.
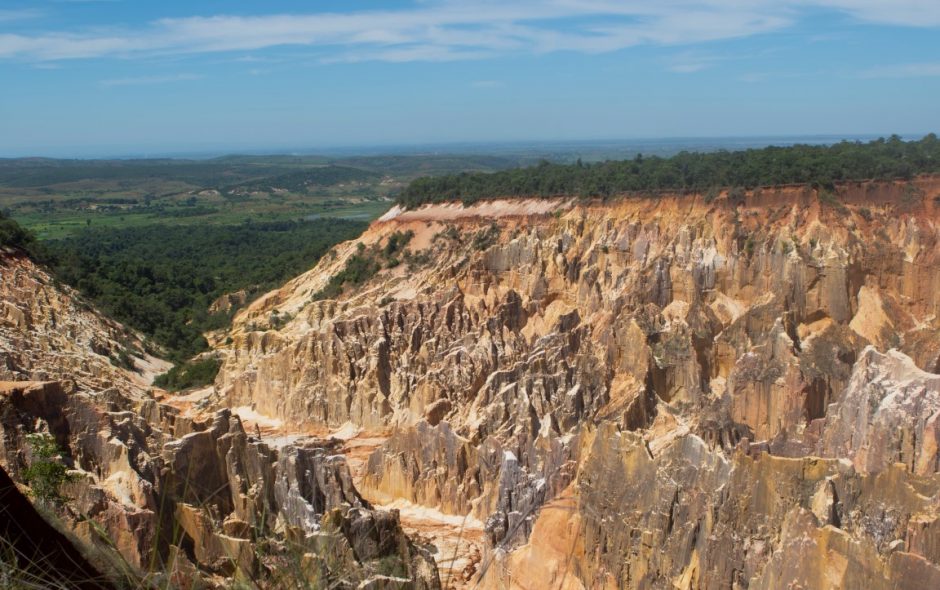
x,y
67,221
59,198
62,214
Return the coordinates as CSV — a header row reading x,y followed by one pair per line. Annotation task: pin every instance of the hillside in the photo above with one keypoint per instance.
x,y
161,498
164,281
692,391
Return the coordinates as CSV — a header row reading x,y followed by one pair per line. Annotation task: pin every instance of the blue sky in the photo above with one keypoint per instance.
x,y
92,77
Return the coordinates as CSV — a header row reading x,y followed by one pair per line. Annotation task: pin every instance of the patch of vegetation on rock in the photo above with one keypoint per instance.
x,y
195,373
365,263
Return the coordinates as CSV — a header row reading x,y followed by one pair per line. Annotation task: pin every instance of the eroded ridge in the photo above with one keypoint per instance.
x,y
640,393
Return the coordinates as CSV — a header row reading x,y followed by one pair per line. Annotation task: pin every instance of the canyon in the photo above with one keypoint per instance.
x,y
657,391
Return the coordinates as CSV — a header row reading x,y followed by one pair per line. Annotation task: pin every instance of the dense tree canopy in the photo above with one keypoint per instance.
x,y
161,280
14,235
880,159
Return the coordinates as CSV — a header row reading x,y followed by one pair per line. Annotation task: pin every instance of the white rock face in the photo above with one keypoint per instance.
x,y
888,413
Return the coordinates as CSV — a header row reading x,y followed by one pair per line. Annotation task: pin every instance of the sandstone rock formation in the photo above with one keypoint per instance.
x,y
643,393
174,499
36,554
48,333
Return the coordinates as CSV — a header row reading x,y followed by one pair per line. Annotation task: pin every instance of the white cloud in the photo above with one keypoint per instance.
x,y
909,13
7,16
915,70
149,80
446,30
690,62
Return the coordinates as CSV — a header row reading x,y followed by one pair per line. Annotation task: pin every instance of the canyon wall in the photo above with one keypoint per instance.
x,y
639,393
161,496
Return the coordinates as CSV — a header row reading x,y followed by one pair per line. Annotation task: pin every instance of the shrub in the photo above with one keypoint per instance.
x,y
417,260
14,235
123,360
451,233
279,320
829,198
486,238
737,195
749,246
197,373
365,263
46,474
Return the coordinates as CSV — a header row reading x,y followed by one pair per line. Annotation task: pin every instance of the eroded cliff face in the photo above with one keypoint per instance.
x,y
649,392
171,497
47,333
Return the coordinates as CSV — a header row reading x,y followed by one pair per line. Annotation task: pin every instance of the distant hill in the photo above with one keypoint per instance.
x,y
301,180
233,170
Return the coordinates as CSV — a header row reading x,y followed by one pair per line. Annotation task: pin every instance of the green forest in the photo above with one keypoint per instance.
x,y
14,235
823,165
161,280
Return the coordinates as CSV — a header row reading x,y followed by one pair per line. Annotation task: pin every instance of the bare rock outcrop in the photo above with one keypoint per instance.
x,y
640,393
48,333
709,386
888,413
169,497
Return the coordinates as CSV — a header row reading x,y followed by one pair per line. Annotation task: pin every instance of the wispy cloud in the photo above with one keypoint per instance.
x,y
149,80
689,62
915,70
447,30
15,15
908,13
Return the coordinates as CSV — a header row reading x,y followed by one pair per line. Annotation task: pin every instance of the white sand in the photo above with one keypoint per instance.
x,y
249,415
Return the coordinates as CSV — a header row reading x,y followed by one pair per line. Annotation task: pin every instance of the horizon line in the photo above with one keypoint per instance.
x,y
444,147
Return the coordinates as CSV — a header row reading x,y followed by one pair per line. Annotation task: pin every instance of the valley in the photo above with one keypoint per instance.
x,y
477,295
736,387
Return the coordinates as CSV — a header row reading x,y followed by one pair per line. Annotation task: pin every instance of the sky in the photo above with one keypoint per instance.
x,y
83,78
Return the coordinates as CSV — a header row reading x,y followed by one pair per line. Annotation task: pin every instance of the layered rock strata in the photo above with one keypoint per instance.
x,y
721,394
175,499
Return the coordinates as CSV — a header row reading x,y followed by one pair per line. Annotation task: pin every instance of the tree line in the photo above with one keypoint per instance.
x,y
890,158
